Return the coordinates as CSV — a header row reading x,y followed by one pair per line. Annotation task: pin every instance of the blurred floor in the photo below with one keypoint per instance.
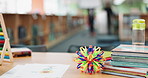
x,y
81,38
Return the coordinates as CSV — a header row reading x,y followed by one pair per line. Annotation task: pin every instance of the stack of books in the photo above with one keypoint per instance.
x,y
128,60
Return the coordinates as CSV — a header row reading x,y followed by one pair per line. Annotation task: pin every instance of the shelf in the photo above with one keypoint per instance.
x,y
39,30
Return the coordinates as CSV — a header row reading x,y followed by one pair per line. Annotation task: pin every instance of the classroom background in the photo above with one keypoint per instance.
x,y
65,25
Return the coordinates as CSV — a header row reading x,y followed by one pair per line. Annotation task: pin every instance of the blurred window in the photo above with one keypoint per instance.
x,y
15,6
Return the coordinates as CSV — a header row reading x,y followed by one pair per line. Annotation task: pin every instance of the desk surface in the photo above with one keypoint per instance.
x,y
51,58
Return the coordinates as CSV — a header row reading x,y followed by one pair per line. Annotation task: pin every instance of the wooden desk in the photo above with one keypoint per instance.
x,y
54,58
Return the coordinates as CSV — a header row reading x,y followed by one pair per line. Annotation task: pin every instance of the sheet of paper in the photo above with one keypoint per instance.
x,y
11,72
37,71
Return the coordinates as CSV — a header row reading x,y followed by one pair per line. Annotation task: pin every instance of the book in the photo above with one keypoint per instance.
x,y
124,75
132,71
17,52
131,54
130,58
128,70
129,64
131,50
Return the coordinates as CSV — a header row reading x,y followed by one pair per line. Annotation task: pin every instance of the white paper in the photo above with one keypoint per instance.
x,y
11,72
36,71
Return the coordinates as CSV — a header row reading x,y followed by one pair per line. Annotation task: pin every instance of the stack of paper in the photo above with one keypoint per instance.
x,y
36,71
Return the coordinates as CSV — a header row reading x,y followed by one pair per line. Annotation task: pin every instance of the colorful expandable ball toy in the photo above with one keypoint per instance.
x,y
90,60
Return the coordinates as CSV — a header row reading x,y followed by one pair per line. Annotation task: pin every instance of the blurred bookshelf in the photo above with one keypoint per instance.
x,y
49,30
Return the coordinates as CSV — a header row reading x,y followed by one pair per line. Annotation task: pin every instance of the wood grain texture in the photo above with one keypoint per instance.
x,y
54,58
